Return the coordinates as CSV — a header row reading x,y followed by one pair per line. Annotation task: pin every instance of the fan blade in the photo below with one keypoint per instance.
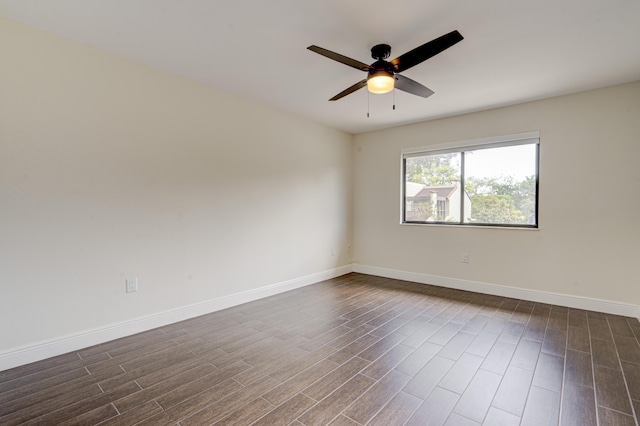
x,y
410,86
340,58
359,85
426,51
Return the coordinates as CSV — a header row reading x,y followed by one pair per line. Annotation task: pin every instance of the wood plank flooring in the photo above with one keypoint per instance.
x,y
355,350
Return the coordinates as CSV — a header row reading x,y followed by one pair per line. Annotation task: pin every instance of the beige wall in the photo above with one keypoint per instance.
x,y
109,169
588,244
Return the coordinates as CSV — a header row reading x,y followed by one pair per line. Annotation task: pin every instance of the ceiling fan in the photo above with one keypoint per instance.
x,y
384,75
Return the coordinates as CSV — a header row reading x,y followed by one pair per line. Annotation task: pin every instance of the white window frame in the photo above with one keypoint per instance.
x,y
526,138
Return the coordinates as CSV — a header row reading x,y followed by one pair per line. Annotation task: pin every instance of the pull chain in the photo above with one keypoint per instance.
x,y
368,102
394,98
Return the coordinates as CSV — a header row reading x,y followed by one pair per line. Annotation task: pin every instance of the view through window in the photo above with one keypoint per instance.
x,y
492,184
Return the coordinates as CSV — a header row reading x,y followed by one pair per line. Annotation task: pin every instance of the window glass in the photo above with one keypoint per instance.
x,y
431,184
493,185
501,185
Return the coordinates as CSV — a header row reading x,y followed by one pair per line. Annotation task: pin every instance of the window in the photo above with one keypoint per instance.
x,y
487,182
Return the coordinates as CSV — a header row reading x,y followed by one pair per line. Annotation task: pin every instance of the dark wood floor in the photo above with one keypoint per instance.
x,y
354,350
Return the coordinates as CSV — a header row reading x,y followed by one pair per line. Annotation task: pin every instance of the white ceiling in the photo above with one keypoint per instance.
x,y
513,51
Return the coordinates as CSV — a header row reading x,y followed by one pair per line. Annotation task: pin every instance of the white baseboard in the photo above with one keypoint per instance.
x,y
579,302
36,352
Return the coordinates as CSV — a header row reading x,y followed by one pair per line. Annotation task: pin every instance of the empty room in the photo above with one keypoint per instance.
x,y
319,213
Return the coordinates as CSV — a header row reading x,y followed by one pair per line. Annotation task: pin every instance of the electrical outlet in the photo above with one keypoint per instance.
x,y
464,258
131,285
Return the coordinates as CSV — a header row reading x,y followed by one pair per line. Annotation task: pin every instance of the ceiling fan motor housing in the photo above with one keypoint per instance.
x,y
381,68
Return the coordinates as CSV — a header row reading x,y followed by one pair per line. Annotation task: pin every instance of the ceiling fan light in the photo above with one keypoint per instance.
x,y
380,82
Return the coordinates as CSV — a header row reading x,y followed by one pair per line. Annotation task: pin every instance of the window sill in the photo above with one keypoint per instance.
x,y
446,225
